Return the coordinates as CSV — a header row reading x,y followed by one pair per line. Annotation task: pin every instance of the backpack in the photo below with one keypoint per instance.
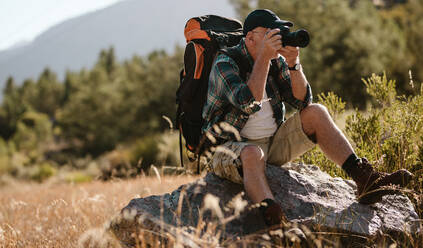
x,y
205,36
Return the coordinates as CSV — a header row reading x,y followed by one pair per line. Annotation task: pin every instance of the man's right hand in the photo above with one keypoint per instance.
x,y
270,45
268,48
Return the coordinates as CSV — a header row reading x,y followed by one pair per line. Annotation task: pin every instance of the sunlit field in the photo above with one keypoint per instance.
x,y
63,215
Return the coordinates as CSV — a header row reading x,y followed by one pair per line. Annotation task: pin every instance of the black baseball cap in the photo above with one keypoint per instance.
x,y
264,18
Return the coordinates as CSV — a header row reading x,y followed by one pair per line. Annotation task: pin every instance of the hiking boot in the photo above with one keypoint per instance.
x,y
275,219
272,213
372,185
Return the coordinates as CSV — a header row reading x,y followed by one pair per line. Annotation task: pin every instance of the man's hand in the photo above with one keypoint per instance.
x,y
270,45
291,54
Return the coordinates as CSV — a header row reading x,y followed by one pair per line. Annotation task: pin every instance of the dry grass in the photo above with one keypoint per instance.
x,y
58,215
64,215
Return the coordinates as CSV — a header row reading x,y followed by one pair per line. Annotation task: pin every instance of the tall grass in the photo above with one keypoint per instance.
x,y
69,215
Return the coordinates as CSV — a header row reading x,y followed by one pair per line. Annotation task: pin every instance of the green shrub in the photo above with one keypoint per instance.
x,y
117,164
145,150
78,177
43,171
4,164
169,149
32,130
4,158
391,133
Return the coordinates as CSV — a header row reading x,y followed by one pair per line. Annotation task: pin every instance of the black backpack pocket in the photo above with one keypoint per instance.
x,y
191,130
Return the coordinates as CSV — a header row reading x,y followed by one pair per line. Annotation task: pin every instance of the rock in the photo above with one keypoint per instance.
x,y
307,195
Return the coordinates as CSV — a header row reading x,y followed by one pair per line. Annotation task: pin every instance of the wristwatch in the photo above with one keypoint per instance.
x,y
296,67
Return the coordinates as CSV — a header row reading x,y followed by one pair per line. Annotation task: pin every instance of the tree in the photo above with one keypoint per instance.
x,y
107,61
91,113
11,109
45,95
408,18
103,110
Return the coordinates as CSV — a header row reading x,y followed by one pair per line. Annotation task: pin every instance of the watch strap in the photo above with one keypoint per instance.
x,y
296,67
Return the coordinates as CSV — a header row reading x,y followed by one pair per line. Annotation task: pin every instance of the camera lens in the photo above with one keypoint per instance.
x,y
302,38
299,38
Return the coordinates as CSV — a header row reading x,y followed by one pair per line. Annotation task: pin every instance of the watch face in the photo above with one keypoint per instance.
x,y
296,67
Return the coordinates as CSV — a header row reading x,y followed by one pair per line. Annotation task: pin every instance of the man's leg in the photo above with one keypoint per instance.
x,y
244,163
318,125
256,186
248,170
253,168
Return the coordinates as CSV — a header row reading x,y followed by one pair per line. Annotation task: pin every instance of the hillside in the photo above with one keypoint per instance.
x,y
131,26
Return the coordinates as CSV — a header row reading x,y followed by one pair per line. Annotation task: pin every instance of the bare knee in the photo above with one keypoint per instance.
x,y
252,158
313,111
312,117
314,114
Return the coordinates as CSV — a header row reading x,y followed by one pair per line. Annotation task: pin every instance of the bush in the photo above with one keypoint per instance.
x,y
43,171
4,157
145,150
117,164
169,149
78,177
391,133
33,129
161,149
4,165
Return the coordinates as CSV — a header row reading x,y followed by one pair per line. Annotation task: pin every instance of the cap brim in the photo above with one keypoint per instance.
x,y
279,23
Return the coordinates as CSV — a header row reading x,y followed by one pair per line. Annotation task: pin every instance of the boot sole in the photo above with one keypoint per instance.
x,y
376,194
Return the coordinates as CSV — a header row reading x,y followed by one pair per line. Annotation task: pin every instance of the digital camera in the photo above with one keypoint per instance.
x,y
299,38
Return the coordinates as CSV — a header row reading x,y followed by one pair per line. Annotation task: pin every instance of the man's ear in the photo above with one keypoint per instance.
x,y
249,38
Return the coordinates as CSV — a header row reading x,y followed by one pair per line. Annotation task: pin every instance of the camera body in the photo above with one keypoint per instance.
x,y
299,38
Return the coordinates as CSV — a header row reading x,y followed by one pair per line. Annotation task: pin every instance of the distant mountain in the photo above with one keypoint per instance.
x,y
131,27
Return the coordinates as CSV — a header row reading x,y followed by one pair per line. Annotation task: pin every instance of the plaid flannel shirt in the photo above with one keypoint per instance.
x,y
230,101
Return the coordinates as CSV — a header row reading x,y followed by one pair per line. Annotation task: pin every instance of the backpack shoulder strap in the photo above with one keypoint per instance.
x,y
240,60
274,72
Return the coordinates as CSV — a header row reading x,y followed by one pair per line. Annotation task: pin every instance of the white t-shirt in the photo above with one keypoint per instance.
x,y
261,124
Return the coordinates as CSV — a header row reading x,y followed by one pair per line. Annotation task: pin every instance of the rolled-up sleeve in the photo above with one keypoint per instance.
x,y
226,76
289,98
286,89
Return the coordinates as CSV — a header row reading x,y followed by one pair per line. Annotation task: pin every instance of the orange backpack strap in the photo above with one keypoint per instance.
x,y
194,60
199,55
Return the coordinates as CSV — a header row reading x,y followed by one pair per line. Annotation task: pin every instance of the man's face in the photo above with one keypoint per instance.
x,y
255,38
258,33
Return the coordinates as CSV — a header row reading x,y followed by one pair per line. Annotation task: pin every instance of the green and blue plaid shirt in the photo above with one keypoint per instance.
x,y
230,101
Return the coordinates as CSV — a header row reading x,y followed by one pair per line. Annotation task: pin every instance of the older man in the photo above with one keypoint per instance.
x,y
254,106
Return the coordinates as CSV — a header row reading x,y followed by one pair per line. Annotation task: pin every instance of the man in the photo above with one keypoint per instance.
x,y
255,109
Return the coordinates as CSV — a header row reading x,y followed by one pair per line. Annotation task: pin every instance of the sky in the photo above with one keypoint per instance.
x,y
23,20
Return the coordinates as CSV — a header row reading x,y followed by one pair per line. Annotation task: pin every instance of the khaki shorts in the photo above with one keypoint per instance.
x,y
288,143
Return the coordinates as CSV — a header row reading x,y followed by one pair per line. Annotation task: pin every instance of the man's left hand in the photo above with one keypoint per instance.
x,y
291,54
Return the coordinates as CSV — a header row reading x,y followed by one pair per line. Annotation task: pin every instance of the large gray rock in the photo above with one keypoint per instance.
x,y
307,195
